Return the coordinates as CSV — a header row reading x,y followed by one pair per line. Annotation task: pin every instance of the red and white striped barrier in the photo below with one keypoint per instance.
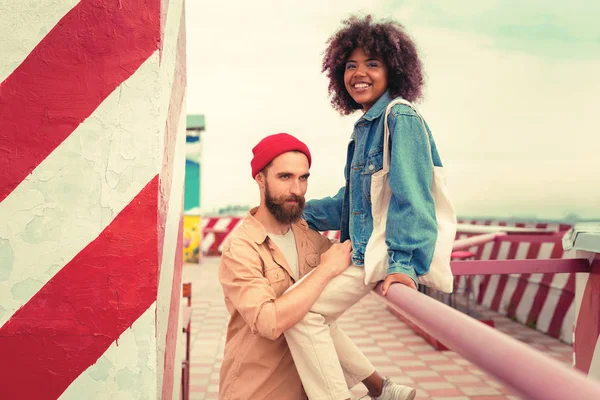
x,y
215,230
541,301
92,135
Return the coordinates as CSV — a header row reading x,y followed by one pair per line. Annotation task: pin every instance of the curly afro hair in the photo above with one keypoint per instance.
x,y
385,40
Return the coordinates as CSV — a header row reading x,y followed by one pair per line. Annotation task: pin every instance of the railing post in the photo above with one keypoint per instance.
x,y
584,242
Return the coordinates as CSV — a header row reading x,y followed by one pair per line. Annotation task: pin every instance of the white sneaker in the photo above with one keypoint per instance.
x,y
393,391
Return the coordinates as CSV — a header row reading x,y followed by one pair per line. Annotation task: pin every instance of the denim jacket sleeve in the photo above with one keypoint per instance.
x,y
325,214
411,228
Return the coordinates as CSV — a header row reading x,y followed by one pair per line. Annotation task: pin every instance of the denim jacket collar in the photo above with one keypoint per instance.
x,y
379,107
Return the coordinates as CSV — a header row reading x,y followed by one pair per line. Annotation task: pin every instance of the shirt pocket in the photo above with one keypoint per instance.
x,y
373,164
312,260
277,278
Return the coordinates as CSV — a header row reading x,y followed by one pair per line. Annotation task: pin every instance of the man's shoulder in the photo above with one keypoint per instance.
x,y
239,237
319,241
314,235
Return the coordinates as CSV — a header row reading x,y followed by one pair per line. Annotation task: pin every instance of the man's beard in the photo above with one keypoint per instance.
x,y
284,213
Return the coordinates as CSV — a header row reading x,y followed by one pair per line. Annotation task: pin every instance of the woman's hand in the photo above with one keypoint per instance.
x,y
397,278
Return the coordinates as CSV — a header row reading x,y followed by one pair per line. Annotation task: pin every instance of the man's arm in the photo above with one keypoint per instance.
x,y
296,303
249,291
325,214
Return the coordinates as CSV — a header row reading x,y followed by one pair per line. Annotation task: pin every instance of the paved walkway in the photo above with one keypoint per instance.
x,y
392,347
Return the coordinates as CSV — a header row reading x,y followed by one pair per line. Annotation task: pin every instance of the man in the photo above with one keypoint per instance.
x,y
273,251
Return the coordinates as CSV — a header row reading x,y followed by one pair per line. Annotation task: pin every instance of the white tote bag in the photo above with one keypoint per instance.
x,y
439,276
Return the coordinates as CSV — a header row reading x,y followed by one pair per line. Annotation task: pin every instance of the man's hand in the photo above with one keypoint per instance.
x,y
338,258
397,278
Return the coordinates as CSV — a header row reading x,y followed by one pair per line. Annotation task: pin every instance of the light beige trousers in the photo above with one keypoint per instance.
x,y
328,361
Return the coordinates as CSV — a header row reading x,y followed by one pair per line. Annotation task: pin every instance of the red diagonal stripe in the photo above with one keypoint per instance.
x,y
486,279
93,49
543,288
85,307
562,307
515,300
503,280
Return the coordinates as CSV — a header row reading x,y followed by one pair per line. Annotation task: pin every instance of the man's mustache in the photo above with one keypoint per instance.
x,y
298,199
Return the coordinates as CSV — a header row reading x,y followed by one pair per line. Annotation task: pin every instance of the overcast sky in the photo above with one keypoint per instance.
x,y
512,96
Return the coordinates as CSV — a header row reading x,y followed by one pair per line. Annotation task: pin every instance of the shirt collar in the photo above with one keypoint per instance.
x,y
378,107
257,231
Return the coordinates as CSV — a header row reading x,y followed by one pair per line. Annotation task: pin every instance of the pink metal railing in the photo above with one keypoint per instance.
x,y
478,240
499,267
525,370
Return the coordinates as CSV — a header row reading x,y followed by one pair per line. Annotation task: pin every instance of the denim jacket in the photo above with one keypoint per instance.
x,y
411,230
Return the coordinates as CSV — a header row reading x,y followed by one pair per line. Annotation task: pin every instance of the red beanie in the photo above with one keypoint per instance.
x,y
272,146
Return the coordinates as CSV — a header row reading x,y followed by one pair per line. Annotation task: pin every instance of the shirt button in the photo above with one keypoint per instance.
x,y
371,167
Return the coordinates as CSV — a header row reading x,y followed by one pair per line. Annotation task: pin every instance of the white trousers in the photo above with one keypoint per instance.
x,y
328,361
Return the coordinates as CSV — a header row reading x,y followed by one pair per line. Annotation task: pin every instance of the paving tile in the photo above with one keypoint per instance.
x,y
423,379
410,363
489,398
391,345
462,378
445,367
445,392
423,347
433,357
436,385
450,398
388,369
462,361
478,390
422,373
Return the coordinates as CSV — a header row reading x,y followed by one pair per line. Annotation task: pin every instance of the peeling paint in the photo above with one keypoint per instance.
x,y
126,379
7,259
99,371
42,229
25,289
54,268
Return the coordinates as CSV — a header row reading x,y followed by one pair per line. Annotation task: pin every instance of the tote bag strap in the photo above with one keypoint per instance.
x,y
386,131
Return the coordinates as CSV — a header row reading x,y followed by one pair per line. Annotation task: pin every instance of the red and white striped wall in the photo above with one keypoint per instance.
x,y
91,197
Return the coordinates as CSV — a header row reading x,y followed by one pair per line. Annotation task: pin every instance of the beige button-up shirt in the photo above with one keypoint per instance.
x,y
254,272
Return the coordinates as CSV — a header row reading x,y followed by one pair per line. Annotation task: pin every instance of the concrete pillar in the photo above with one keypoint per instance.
x,y
584,242
92,149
